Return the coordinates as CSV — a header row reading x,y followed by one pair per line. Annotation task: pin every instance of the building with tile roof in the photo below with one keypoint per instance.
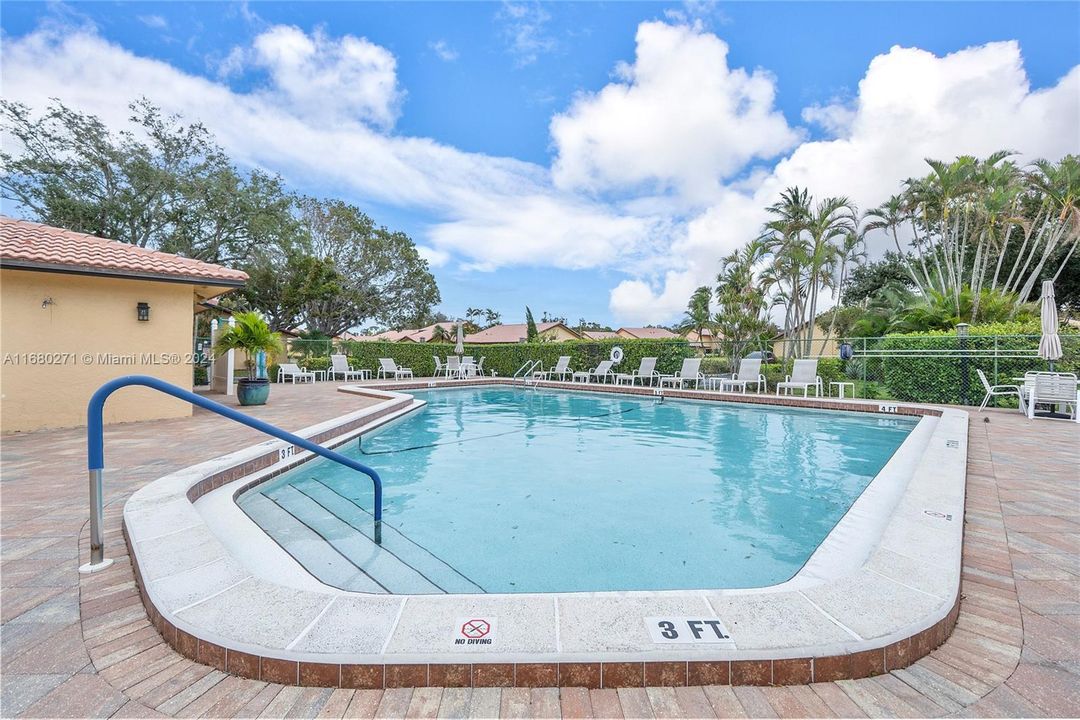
x,y
77,310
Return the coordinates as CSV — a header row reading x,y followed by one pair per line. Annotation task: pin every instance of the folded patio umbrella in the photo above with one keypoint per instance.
x,y
459,348
1050,344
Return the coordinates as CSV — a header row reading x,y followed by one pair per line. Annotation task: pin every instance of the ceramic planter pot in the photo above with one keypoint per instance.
x,y
253,392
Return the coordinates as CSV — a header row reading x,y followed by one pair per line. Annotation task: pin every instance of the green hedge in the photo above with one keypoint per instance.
x,y
940,379
505,359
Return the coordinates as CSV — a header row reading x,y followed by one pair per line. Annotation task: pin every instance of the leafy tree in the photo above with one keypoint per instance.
x,y
867,279
587,325
552,318
531,333
162,184
381,276
281,285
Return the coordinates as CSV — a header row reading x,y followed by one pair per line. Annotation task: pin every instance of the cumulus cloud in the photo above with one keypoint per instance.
x,y
340,77
678,119
657,175
489,211
910,105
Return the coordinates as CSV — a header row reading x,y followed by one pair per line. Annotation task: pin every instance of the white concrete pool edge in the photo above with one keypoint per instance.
x,y
273,608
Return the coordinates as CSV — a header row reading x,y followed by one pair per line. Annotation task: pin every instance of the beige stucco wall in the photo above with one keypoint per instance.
x,y
90,318
558,334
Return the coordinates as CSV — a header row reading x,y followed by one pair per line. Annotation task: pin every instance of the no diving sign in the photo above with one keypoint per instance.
x,y
688,630
474,631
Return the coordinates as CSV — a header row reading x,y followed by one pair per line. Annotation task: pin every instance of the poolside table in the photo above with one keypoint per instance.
x,y
841,385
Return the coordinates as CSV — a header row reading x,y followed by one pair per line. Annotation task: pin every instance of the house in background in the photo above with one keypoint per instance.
x,y
78,310
599,334
648,333
550,331
707,342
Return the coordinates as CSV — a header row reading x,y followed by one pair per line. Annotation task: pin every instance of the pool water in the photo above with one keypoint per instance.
x,y
520,490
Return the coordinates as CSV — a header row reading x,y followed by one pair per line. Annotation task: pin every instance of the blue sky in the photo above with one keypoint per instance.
x,y
484,81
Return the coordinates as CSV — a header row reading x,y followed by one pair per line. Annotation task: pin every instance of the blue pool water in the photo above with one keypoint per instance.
x,y
512,490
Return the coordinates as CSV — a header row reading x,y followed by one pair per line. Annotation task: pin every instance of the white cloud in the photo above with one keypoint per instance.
x,y
490,211
154,21
524,31
334,78
677,120
657,174
911,105
443,51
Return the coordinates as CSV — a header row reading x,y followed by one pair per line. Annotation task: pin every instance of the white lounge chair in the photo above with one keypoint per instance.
x,y
560,369
803,375
294,372
479,369
339,365
1057,389
690,371
646,371
999,391
387,368
601,372
439,367
749,374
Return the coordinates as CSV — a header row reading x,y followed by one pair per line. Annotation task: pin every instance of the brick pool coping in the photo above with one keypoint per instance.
x,y
281,666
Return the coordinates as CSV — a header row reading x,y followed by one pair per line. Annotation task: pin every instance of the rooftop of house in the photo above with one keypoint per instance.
x,y
28,245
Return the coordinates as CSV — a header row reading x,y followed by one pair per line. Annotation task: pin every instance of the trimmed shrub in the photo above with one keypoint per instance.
x,y
506,359
995,349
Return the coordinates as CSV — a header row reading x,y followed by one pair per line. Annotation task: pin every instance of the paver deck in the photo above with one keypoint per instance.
x,y
82,646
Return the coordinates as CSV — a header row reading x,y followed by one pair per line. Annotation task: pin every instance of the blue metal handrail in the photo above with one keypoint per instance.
x,y
95,450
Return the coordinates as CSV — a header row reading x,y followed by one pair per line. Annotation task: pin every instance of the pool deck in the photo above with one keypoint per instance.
x,y
82,645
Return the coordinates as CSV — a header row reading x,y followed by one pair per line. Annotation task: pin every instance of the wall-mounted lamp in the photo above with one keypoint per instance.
x,y
47,302
143,310
962,330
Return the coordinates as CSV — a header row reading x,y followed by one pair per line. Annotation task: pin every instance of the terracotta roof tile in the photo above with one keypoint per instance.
x,y
32,245
648,333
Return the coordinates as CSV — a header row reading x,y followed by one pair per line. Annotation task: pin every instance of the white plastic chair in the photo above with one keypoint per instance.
x,y
439,369
690,371
999,391
803,375
339,365
453,366
387,368
646,370
560,368
293,371
1055,389
601,371
749,374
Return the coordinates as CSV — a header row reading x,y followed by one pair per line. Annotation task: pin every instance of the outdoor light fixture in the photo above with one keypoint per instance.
x,y
962,330
143,310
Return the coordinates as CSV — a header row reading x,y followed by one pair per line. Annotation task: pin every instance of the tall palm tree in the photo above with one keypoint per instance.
x,y
698,314
831,220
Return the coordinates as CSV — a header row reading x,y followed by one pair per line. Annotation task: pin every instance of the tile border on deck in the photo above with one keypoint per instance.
x,y
599,671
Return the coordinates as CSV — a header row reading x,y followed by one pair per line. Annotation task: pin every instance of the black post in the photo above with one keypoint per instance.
x,y
962,334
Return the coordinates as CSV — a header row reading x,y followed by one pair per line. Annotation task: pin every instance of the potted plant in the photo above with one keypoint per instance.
x,y
252,335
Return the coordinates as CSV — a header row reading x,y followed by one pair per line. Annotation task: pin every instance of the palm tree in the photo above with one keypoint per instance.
x,y
439,334
832,218
252,335
698,314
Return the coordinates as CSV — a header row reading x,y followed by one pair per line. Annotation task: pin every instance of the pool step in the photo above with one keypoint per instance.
x,y
439,572
381,565
306,546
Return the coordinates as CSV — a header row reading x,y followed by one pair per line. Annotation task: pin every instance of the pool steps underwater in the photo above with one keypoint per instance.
x,y
357,563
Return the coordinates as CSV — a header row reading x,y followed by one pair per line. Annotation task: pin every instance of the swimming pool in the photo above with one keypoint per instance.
x,y
505,490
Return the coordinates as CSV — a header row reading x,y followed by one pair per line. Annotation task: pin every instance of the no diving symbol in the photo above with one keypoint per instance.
x,y
475,629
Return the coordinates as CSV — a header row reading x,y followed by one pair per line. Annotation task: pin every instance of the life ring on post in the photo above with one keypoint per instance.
x,y
616,355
